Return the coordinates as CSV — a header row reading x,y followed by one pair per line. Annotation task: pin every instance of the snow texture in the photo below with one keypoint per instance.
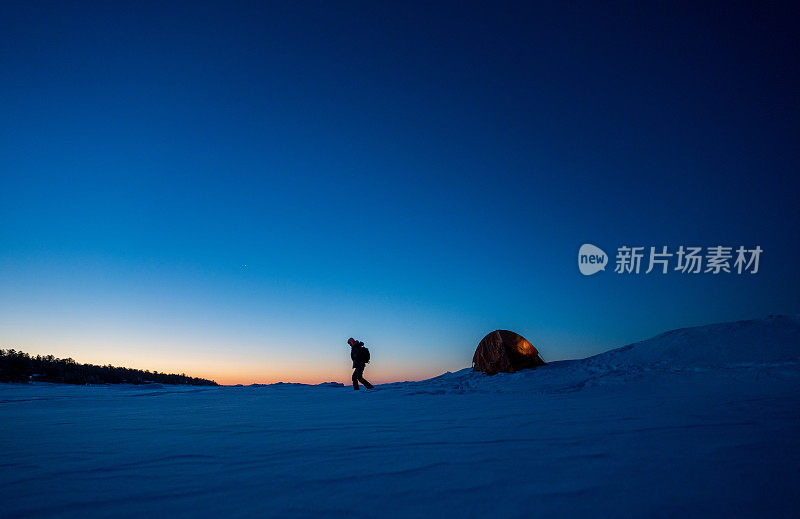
x,y
700,422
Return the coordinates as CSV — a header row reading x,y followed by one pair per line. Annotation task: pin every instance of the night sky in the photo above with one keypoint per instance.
x,y
232,189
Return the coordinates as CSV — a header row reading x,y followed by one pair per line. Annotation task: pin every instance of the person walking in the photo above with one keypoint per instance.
x,y
360,355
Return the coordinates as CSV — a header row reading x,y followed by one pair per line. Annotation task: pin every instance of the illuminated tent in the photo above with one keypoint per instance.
x,y
505,351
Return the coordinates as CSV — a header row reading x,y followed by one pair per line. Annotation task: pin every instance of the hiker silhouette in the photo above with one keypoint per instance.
x,y
360,356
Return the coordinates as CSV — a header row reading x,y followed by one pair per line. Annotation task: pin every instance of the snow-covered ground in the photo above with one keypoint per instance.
x,y
697,422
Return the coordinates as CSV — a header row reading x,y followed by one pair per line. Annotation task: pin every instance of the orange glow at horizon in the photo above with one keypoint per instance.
x,y
342,374
230,372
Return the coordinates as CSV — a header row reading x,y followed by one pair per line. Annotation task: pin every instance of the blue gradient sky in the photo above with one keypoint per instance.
x,y
233,189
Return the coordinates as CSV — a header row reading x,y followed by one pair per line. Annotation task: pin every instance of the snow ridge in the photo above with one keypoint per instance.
x,y
758,344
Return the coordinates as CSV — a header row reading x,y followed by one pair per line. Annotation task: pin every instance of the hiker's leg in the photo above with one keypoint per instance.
x,y
364,381
355,380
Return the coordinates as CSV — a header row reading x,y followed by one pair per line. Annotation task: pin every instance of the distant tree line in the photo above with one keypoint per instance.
x,y
18,366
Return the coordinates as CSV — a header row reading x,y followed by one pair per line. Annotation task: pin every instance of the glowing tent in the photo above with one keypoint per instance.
x,y
505,351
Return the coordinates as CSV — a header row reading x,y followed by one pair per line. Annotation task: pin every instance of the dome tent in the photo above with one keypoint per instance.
x,y
505,351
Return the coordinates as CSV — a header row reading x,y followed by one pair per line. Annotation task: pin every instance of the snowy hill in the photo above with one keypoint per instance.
x,y
699,422
753,344
759,342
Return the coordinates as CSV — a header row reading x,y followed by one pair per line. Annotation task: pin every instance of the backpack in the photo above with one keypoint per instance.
x,y
364,355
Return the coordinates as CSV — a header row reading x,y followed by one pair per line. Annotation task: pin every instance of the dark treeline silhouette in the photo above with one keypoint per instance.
x,y
18,366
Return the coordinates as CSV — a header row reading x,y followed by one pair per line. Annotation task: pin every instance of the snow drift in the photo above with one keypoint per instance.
x,y
754,344
760,342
